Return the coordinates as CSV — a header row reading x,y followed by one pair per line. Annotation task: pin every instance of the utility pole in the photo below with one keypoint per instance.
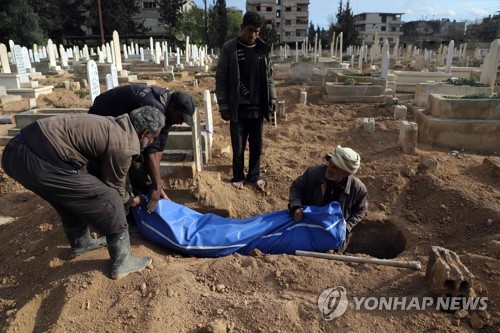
x,y
100,21
206,23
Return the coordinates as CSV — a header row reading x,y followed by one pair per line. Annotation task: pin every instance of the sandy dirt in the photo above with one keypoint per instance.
x,y
456,206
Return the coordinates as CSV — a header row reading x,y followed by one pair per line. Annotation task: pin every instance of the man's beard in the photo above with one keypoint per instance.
x,y
144,142
332,178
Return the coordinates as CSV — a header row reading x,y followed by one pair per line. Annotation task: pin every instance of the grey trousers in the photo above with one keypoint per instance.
x,y
80,198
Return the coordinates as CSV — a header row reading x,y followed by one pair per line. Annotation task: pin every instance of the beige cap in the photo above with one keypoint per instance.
x,y
345,158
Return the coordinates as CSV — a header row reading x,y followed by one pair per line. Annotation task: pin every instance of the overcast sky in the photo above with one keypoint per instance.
x,y
468,10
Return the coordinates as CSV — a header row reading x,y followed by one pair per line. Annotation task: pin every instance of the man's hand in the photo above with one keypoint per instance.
x,y
154,196
138,200
299,214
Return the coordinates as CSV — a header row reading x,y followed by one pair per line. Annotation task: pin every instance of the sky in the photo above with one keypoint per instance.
x,y
467,10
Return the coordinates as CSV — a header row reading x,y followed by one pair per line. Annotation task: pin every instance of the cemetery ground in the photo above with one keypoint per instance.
x,y
456,205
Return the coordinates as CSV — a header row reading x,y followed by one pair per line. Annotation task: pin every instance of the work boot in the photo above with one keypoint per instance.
x,y
122,262
81,241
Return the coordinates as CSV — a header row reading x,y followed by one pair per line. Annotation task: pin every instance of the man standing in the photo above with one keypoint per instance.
x,y
79,164
245,94
178,107
335,181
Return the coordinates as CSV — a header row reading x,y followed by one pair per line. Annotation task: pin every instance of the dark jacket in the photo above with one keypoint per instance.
x,y
124,99
227,78
103,146
309,188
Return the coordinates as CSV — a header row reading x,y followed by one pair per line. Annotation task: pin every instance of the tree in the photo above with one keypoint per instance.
x,y
234,20
346,25
311,33
268,33
11,16
116,15
171,11
218,24
192,24
66,17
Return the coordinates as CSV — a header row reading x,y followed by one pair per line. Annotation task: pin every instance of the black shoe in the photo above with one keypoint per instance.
x,y
81,241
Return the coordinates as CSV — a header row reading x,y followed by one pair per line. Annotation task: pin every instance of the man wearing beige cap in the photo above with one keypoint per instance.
x,y
333,181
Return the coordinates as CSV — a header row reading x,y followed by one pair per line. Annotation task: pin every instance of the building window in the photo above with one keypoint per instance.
x,y
149,4
278,2
288,9
384,18
287,34
278,13
299,9
269,9
393,29
277,25
390,40
257,8
383,28
288,22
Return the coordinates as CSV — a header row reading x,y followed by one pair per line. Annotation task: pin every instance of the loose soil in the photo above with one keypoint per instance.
x,y
456,206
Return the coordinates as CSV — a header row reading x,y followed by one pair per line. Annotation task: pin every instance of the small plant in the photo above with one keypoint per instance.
x,y
350,82
461,81
82,93
59,105
347,73
473,96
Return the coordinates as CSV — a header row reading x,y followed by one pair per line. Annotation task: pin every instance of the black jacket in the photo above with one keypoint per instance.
x,y
227,78
309,188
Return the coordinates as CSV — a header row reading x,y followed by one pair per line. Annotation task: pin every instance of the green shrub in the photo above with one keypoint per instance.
x,y
347,73
461,81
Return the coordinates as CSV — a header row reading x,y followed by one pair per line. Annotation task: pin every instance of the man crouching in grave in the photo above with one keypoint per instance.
x,y
332,181
79,164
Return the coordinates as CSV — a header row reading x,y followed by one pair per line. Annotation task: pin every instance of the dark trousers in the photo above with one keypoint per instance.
x,y
80,198
246,129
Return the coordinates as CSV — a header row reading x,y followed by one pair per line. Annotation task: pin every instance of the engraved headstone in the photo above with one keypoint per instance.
x,y
93,80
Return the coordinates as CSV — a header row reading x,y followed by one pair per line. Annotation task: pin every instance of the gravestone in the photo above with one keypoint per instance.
x,y
209,124
4,58
109,82
51,54
21,68
449,56
114,76
490,65
117,53
93,80
385,65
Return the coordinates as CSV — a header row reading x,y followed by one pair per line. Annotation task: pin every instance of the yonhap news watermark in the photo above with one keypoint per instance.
x,y
334,302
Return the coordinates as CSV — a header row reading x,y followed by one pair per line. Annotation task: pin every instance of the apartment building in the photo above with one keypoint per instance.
x,y
431,34
388,26
289,17
150,17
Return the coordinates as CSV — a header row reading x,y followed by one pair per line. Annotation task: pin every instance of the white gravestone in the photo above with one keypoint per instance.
x,y
114,75
4,59
116,47
449,56
490,64
385,65
109,82
93,79
21,67
64,58
209,124
51,54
